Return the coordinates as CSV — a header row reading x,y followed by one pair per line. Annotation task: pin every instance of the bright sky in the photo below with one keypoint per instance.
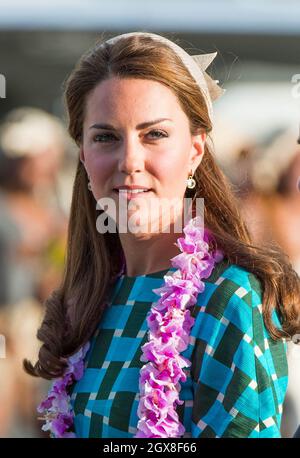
x,y
233,16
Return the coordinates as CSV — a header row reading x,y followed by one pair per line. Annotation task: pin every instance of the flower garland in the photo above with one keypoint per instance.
x,y
57,406
169,322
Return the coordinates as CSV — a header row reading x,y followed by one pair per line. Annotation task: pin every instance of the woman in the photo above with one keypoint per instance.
x,y
225,306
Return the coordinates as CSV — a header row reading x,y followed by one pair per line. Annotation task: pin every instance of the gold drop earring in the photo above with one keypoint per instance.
x,y
191,182
89,184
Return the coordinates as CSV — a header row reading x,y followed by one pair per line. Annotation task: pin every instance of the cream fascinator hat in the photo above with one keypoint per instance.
x,y
196,65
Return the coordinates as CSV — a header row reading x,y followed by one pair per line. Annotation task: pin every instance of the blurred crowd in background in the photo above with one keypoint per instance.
x,y
37,167
35,187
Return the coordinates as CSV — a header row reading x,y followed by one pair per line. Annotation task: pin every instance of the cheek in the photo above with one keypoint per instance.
x,y
173,168
98,167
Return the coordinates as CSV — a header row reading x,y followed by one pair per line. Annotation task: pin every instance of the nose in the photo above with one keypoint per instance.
x,y
132,158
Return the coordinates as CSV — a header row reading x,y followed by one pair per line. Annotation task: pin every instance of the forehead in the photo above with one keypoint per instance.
x,y
132,97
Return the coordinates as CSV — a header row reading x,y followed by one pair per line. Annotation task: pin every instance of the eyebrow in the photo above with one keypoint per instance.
x,y
143,125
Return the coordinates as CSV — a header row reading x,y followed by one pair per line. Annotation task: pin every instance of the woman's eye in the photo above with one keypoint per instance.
x,y
102,138
162,134
98,137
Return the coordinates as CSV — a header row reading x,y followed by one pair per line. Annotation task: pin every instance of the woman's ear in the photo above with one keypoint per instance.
x,y
81,154
197,151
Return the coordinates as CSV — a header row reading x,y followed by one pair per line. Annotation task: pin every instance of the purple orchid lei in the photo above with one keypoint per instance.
x,y
169,322
57,406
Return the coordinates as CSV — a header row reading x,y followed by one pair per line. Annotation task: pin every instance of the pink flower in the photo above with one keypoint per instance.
x,y
167,428
45,405
156,401
61,424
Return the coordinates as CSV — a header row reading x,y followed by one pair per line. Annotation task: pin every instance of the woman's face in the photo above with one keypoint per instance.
x,y
118,147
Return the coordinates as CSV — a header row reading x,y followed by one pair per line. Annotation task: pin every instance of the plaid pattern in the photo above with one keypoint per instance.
x,y
238,378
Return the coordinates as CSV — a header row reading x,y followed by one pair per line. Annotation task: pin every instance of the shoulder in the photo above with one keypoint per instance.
x,y
234,295
238,370
230,327
230,296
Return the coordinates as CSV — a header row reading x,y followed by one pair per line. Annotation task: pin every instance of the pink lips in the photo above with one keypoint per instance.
x,y
129,187
130,195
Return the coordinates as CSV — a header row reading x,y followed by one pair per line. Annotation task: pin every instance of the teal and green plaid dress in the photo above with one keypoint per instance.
x,y
238,378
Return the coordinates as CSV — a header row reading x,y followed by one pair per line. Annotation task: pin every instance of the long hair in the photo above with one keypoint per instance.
x,y
73,310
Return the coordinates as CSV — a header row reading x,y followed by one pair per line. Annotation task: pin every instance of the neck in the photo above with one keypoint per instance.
x,y
147,253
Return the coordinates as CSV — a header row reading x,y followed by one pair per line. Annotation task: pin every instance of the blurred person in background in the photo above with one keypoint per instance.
x,y
7,379
269,191
32,242
32,147
274,192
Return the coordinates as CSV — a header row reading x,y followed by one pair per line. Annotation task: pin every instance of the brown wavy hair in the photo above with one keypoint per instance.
x,y
74,309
